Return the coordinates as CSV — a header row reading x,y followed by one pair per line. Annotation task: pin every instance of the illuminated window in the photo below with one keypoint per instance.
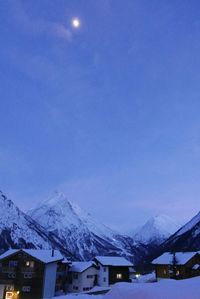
x,y
165,272
30,264
119,276
177,272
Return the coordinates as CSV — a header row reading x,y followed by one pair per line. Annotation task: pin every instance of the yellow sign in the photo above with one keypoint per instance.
x,y
9,295
12,295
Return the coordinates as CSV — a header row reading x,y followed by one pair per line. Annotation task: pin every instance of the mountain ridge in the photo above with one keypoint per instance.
x,y
78,230
187,238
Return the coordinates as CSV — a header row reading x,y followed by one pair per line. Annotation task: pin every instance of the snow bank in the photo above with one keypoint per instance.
x,y
165,289
151,277
79,296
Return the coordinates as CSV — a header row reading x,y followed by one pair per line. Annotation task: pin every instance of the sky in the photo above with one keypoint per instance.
x,y
108,112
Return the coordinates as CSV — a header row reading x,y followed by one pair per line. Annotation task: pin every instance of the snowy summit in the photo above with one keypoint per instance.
x,y
156,230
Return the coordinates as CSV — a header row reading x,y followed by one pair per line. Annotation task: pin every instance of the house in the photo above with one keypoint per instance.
x,y
82,276
112,269
28,273
62,276
177,265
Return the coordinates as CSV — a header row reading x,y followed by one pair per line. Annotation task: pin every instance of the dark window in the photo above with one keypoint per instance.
x,y
26,289
11,275
75,276
27,275
89,276
13,263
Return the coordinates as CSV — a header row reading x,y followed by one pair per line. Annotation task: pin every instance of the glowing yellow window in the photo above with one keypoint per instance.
x,y
30,264
119,276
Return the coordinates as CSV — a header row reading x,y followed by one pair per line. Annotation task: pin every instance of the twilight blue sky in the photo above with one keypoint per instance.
x,y
108,113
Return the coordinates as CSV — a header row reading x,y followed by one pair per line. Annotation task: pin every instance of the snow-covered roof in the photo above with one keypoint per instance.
x,y
113,261
42,255
81,266
66,261
167,258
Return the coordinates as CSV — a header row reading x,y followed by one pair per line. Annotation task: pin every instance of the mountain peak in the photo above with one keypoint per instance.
x,y
78,230
156,229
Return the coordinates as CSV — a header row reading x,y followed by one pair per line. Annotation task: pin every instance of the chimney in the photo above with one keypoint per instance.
x,y
52,252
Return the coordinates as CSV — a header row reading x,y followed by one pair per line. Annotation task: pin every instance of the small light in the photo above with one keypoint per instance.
x,y
76,23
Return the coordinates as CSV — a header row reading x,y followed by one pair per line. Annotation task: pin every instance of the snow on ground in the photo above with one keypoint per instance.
x,y
164,289
79,296
151,277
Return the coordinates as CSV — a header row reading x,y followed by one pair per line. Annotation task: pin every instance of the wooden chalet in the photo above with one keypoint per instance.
x,y
179,265
28,273
112,269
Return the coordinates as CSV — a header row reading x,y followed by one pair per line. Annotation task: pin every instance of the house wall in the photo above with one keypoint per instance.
x,y
123,271
162,271
49,280
103,276
62,277
2,287
82,283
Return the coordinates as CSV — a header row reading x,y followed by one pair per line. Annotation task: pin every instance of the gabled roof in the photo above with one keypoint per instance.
x,y
81,266
45,256
8,253
113,261
181,258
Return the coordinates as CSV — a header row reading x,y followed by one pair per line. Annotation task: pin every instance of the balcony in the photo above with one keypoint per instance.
x,y
27,270
8,270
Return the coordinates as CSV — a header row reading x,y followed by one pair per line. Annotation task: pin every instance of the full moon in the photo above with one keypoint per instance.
x,y
76,23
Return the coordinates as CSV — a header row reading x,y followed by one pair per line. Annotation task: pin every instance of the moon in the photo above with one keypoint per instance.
x,y
75,22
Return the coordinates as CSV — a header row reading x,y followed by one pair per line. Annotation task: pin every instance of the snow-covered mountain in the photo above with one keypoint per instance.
x,y
156,230
18,230
79,231
187,238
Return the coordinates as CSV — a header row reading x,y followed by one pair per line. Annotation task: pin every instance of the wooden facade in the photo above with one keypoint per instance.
x,y
118,274
190,268
112,269
23,276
